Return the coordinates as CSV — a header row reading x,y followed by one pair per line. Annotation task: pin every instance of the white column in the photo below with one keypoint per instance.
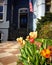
x,y
51,7
34,14
5,10
40,8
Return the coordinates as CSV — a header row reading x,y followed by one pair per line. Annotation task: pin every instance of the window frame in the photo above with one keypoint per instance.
x,y
2,4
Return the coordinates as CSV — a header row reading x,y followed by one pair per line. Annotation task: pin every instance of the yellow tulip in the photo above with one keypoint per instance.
x,y
27,38
33,34
23,42
20,40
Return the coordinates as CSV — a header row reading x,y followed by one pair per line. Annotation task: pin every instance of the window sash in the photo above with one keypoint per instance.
x,y
1,11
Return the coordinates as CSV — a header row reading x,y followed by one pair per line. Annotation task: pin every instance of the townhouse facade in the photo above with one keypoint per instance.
x,y
17,20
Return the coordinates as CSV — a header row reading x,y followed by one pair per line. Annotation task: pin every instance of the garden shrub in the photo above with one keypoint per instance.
x,y
44,26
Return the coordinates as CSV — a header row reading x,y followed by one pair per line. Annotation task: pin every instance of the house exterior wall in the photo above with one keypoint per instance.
x,y
38,6
39,10
4,25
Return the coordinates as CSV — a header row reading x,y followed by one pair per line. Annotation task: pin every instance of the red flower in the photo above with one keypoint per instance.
x,y
31,40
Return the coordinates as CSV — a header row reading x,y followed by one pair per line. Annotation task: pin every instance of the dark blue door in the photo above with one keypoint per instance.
x,y
17,4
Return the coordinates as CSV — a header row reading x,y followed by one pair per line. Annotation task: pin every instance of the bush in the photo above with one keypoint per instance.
x,y
44,26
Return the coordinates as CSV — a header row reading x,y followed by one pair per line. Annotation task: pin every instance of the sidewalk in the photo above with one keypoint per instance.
x,y
8,53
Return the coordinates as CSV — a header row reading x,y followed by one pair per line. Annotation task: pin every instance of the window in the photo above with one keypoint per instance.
x,y
23,17
1,10
47,5
23,20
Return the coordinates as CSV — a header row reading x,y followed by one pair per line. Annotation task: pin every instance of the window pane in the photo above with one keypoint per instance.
x,y
1,8
47,8
23,20
47,5
1,15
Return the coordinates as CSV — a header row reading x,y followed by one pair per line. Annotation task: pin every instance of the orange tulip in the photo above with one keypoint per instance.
x,y
45,53
50,48
51,53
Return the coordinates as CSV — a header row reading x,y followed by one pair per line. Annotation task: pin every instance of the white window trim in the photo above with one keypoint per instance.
x,y
2,4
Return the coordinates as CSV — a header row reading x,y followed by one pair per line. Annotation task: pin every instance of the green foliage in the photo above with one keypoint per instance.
x,y
30,55
44,26
47,41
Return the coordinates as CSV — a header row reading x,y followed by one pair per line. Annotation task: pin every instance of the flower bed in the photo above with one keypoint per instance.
x,y
35,51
